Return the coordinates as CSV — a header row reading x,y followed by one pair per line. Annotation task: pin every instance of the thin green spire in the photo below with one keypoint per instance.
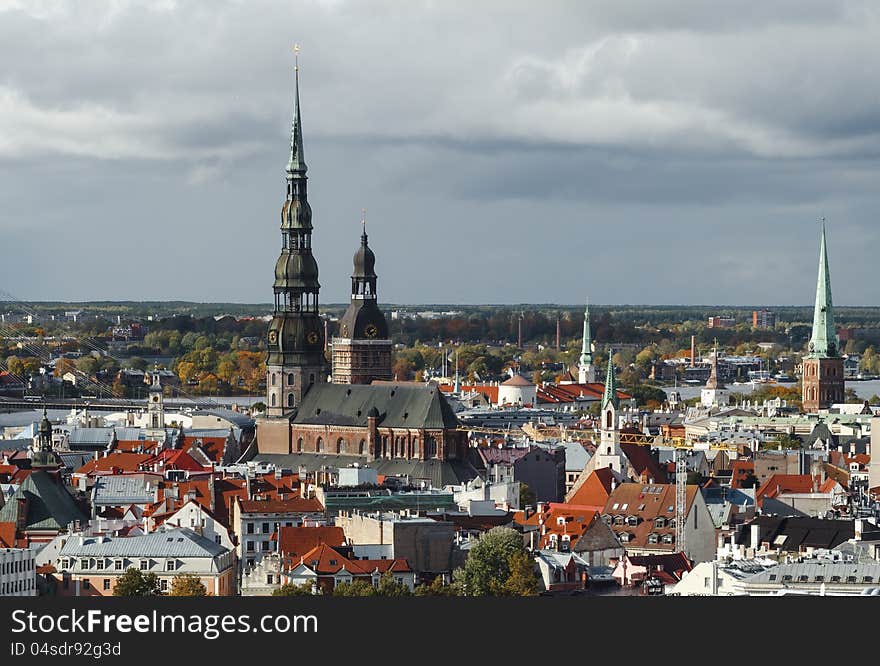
x,y
610,384
587,343
296,166
824,342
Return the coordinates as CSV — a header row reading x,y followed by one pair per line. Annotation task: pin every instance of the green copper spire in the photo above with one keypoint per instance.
x,y
296,166
610,384
824,342
587,344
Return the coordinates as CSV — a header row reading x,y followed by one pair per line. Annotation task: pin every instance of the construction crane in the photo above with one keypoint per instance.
x,y
681,447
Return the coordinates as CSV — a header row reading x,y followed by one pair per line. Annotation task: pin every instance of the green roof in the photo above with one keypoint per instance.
x,y
49,505
824,342
399,406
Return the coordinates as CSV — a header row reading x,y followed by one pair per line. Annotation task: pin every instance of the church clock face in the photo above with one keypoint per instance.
x,y
273,337
371,331
312,337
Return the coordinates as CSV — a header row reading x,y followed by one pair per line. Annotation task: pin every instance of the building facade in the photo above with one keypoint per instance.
x,y
18,573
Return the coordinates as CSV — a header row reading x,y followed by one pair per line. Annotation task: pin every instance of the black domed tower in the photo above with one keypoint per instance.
x,y
296,334
362,352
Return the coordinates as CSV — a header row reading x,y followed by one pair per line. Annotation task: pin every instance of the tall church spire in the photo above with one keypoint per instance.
x,y
296,165
296,334
610,384
824,342
586,371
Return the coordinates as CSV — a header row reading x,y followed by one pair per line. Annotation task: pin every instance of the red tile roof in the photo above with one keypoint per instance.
x,y
295,542
325,560
741,470
114,463
287,505
595,490
560,519
645,503
778,484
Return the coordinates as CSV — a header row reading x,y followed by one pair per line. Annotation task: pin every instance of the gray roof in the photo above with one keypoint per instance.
x,y
212,432
438,472
118,490
825,570
399,406
243,421
49,505
90,437
180,542
576,456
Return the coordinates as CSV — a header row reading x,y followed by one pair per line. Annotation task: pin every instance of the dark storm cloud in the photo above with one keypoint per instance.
x,y
636,152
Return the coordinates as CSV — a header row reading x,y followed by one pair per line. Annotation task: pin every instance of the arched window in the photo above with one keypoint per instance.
x,y
431,448
290,400
290,379
273,399
273,379
608,417
299,445
320,445
384,446
362,447
415,447
340,445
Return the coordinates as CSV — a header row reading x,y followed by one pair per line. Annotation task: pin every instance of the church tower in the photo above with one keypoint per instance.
x,y
823,366
362,352
714,394
43,454
156,403
586,370
609,453
296,334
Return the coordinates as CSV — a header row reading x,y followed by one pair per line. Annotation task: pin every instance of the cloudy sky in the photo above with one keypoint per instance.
x,y
506,152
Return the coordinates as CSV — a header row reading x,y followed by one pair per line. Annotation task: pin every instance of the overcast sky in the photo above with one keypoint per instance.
x,y
506,152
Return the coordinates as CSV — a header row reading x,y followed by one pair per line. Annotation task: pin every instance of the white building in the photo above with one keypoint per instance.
x,y
517,391
194,516
18,572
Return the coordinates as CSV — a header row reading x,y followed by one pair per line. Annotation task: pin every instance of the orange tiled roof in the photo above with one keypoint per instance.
x,y
784,483
297,541
114,463
287,505
645,504
595,490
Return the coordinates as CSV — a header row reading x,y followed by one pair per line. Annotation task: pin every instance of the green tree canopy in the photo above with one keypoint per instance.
x,y
488,564
136,583
188,585
291,590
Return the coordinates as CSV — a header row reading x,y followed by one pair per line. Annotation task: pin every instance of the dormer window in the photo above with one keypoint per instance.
x,y
632,521
653,537
660,523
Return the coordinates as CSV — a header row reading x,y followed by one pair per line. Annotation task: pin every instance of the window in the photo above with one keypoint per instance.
x,y
772,577
169,565
290,400
143,565
320,446
100,563
264,546
819,579
250,546
86,584
117,565
632,521
163,585
290,379
83,564
106,583
653,537
250,528
299,445
265,528
269,579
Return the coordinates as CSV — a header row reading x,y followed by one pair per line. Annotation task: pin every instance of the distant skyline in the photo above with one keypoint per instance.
x,y
629,153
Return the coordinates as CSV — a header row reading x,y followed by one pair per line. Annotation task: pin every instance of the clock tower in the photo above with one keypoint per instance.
x,y
362,351
296,334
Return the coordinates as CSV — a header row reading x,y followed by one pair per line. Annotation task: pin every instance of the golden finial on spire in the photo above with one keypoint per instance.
x,y
296,48
364,218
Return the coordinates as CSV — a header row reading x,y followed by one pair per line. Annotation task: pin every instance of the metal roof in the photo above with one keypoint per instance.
x,y
180,542
119,489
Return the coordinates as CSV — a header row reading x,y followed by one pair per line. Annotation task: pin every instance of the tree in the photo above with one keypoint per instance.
x,y
437,588
137,363
356,588
291,590
135,583
526,495
389,587
188,585
63,366
258,407
522,581
488,565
